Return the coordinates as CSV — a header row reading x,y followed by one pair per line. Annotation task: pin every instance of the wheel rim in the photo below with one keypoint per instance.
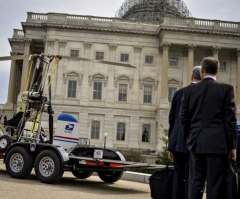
x,y
3,143
46,166
16,162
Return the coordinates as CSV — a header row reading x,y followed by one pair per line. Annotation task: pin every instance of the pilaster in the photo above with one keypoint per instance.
x,y
110,86
135,102
238,81
84,100
164,84
134,132
191,48
109,129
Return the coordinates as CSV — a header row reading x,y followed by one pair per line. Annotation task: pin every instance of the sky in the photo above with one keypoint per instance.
x,y
13,12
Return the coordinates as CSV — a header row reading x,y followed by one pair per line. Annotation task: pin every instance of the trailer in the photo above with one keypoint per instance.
x,y
24,146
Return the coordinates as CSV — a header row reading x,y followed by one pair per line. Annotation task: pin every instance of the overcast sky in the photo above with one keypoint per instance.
x,y
13,12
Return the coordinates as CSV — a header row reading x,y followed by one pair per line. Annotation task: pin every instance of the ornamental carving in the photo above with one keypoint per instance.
x,y
87,45
137,49
27,42
112,47
191,47
50,42
215,50
238,52
165,45
62,43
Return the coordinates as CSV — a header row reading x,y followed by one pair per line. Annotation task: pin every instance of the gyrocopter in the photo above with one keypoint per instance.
x,y
25,146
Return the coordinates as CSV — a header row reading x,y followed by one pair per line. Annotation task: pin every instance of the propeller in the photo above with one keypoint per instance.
x,y
50,112
20,57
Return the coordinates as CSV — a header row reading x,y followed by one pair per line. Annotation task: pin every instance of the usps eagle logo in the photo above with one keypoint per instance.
x,y
69,128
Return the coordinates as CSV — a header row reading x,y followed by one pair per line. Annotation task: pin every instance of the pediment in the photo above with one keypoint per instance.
x,y
173,81
72,74
98,75
123,77
148,79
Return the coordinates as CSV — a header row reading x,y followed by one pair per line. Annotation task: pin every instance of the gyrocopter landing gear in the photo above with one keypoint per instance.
x,y
5,142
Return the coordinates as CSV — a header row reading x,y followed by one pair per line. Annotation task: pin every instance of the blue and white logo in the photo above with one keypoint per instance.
x,y
69,127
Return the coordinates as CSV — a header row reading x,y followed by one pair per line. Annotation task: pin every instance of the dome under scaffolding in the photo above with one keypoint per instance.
x,y
152,10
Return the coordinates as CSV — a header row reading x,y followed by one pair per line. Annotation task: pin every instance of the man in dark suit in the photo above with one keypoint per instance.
x,y
178,152
209,124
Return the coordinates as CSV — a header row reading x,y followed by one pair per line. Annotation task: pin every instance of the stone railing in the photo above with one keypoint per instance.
x,y
18,34
66,18
61,18
203,24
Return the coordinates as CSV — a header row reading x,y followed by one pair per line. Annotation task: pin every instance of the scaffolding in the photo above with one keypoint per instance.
x,y
152,10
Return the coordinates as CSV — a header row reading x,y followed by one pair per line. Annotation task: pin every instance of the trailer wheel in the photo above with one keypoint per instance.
x,y
5,142
110,176
82,174
48,167
19,162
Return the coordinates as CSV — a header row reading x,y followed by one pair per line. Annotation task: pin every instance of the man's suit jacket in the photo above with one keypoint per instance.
x,y
176,142
208,117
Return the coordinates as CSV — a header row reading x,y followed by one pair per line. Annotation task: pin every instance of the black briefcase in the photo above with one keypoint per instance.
x,y
161,183
232,181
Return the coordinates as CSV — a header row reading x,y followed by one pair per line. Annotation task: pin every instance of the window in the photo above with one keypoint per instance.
x,y
147,98
146,132
124,57
121,131
95,130
97,90
197,63
222,65
99,55
72,88
173,62
74,53
122,96
171,92
149,59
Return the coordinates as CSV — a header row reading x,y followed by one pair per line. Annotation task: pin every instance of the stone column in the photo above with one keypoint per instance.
x,y
164,84
110,90
11,87
238,79
25,68
59,86
215,51
191,48
84,100
135,102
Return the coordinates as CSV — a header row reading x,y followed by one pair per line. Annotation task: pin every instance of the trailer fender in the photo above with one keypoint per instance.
x,y
62,154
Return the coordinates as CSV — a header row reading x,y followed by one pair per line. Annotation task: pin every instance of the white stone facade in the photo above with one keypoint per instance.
x,y
184,40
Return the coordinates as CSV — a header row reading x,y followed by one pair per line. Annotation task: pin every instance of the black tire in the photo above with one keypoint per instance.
x,y
82,174
5,142
110,176
48,167
19,162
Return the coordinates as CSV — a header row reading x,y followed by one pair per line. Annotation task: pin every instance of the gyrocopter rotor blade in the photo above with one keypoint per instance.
x,y
21,57
96,61
14,57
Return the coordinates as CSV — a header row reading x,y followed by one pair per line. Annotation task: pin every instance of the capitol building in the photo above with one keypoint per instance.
x,y
160,38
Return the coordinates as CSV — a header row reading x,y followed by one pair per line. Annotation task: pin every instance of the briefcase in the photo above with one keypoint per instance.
x,y
161,182
232,181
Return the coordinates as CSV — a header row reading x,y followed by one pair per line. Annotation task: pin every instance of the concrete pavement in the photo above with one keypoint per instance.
x,y
70,188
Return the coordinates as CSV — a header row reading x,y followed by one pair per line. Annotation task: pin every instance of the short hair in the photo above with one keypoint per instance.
x,y
210,65
196,73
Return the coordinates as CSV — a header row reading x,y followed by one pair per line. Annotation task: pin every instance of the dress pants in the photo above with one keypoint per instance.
x,y
207,167
180,179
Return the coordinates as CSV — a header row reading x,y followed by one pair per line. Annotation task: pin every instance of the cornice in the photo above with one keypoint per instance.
x,y
206,32
16,41
87,28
